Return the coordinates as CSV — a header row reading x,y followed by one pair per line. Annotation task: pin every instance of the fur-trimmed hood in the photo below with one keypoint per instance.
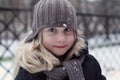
x,y
36,60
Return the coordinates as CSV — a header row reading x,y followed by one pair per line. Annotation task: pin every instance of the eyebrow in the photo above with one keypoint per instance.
x,y
59,27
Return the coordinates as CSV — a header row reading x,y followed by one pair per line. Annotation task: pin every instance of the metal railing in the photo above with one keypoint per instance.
x,y
13,23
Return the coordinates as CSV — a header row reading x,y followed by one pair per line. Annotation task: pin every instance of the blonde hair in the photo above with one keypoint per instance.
x,y
35,60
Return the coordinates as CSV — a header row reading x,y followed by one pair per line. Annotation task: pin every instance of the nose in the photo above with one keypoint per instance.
x,y
61,38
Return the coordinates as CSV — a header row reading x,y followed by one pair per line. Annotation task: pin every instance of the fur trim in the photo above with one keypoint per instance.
x,y
34,60
79,45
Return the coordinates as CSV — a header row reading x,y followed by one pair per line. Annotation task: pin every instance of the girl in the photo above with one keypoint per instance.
x,y
55,49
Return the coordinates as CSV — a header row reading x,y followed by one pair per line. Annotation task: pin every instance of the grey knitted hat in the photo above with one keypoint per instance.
x,y
52,13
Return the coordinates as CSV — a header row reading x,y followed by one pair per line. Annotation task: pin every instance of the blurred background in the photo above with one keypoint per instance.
x,y
98,19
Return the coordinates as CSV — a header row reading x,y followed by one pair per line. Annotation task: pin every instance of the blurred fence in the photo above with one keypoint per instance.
x,y
13,23
102,32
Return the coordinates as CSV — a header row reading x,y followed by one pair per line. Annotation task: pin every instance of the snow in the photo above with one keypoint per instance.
x,y
107,53
108,59
101,40
113,75
6,66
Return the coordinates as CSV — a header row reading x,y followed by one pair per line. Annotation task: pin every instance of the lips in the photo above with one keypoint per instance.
x,y
59,46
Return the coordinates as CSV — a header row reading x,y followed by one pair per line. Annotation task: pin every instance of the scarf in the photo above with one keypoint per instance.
x,y
71,68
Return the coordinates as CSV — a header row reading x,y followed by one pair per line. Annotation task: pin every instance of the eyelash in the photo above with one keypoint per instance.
x,y
52,30
65,30
68,29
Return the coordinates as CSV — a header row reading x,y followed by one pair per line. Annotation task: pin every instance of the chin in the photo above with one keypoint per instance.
x,y
60,54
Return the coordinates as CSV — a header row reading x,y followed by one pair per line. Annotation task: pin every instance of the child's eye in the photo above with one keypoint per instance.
x,y
52,30
68,29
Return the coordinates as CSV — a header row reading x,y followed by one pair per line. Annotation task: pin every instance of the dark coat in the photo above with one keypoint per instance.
x,y
90,65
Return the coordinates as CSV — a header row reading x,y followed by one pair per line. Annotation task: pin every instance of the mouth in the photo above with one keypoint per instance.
x,y
60,46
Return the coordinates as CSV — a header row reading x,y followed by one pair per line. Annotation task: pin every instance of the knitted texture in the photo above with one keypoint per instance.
x,y
72,69
58,73
52,13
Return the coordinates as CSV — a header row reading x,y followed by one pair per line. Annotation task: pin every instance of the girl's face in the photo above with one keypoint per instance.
x,y
58,40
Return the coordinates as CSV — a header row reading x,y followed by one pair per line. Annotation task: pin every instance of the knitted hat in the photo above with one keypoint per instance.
x,y
52,13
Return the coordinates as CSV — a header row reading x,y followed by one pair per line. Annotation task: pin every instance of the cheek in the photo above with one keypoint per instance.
x,y
47,41
71,40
